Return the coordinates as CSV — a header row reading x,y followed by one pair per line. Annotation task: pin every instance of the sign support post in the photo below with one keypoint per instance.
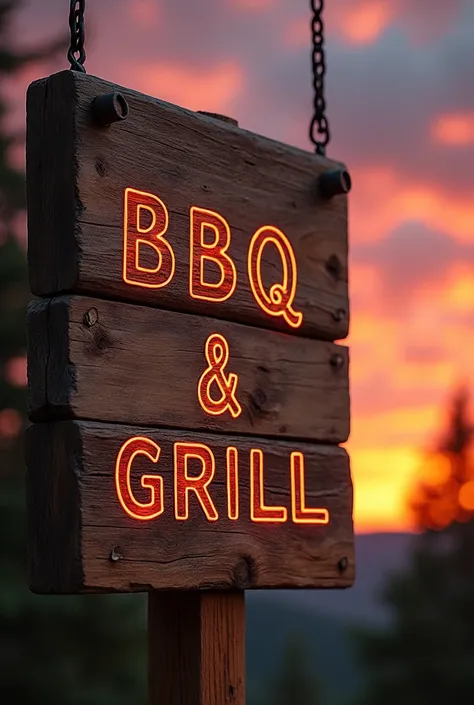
x,y
196,648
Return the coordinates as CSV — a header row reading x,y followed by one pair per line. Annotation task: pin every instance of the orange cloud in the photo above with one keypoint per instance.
x,y
383,199
402,372
213,89
459,292
383,478
365,22
454,130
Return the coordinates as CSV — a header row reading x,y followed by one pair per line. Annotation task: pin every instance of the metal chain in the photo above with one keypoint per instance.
x,y
319,128
76,54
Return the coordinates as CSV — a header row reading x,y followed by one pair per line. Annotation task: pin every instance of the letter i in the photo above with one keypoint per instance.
x,y
233,483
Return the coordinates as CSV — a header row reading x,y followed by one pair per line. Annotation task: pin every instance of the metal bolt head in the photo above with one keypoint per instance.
x,y
339,315
116,554
91,317
337,361
343,564
109,108
335,183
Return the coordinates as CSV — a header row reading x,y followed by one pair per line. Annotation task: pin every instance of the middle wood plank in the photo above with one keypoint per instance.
x,y
109,361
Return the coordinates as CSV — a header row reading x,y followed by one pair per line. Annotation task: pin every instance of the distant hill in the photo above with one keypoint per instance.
x,y
324,619
330,652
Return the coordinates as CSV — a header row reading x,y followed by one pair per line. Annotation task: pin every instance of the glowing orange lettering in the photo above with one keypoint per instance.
x,y
183,484
259,512
278,301
232,483
216,252
301,514
151,236
217,356
143,511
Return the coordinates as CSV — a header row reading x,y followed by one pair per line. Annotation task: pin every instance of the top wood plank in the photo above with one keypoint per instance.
x,y
78,173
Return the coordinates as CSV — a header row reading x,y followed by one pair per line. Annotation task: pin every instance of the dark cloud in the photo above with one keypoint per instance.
x,y
411,257
382,96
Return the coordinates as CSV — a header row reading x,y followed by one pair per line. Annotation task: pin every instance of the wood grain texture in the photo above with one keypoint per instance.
x,y
76,213
77,523
196,648
140,365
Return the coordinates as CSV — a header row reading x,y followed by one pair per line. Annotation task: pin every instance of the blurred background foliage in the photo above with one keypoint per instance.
x,y
92,650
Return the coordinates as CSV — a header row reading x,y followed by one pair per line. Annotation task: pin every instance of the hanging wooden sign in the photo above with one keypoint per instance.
x,y
187,398
173,209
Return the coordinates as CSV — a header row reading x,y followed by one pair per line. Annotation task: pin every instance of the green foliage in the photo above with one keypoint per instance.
x,y
57,650
426,656
294,683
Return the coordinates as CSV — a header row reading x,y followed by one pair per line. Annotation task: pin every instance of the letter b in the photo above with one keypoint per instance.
x,y
142,238
215,252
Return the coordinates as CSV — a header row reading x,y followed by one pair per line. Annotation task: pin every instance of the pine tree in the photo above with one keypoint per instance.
x,y
55,650
426,656
294,683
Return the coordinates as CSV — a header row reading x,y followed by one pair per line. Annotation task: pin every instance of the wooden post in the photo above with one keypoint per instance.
x,y
196,648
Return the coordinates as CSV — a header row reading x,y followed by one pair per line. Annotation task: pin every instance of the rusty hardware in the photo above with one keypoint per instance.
x,y
337,361
343,564
109,108
335,183
339,315
91,317
116,554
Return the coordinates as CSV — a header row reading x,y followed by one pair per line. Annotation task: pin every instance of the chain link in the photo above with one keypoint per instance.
x,y
319,128
76,54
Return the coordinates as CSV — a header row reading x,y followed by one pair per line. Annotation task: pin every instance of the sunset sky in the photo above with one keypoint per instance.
x,y
401,105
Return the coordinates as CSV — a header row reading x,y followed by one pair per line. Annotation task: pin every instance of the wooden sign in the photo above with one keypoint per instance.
x,y
187,396
201,511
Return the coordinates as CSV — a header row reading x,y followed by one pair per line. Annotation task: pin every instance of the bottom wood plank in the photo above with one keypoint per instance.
x,y
117,508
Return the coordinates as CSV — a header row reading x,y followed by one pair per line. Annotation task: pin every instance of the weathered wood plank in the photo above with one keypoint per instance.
x,y
140,365
196,648
81,538
76,214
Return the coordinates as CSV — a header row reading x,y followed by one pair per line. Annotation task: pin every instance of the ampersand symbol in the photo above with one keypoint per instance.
x,y
217,355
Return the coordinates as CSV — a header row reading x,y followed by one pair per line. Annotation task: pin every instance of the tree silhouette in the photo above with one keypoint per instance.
x,y
446,496
294,683
426,655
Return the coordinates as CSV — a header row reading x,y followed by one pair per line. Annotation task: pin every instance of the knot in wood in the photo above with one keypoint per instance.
x,y
334,267
243,577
